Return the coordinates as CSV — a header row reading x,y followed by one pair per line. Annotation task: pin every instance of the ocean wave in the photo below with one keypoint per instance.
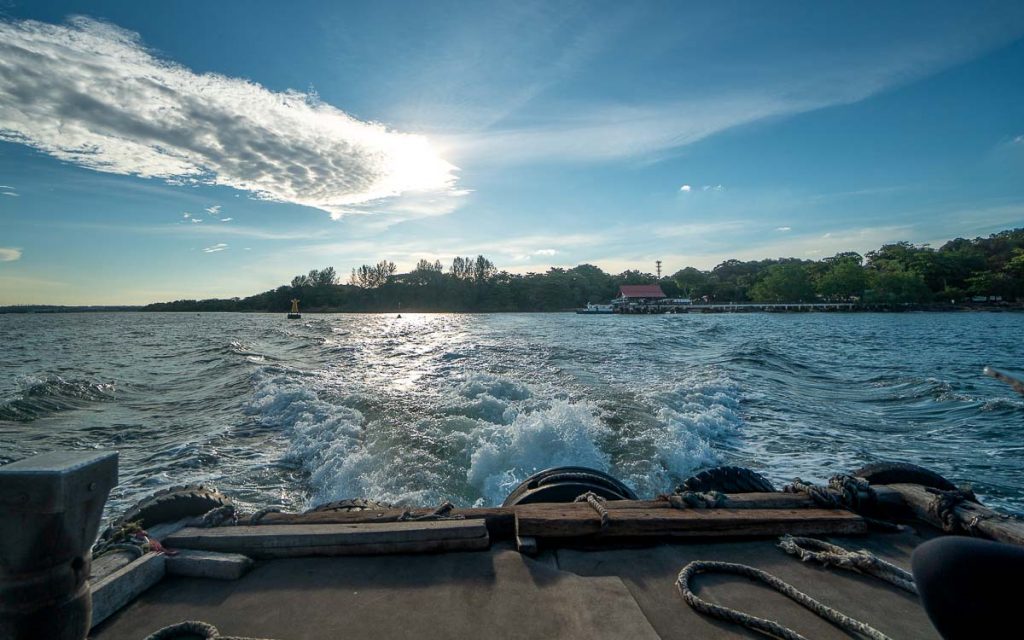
x,y
563,433
38,397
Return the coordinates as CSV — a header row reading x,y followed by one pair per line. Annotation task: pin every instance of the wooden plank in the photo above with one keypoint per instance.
x,y
374,548
110,562
124,585
501,520
990,523
160,531
336,539
575,520
208,564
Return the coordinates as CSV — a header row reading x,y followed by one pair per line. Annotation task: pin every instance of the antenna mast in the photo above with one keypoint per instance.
x,y
658,262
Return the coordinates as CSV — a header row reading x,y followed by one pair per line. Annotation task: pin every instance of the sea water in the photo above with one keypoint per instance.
x,y
433,407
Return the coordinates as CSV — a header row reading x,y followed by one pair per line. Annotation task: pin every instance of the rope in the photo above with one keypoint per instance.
x,y
224,515
760,624
443,512
255,518
850,488
862,561
191,629
821,495
943,507
597,503
696,499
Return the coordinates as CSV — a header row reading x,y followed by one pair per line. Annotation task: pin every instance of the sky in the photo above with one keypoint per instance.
x,y
159,151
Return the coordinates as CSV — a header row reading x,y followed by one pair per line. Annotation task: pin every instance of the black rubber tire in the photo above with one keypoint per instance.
x,y
902,473
564,484
170,505
727,480
357,504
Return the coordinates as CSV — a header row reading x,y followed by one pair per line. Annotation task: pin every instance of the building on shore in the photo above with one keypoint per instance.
x,y
638,295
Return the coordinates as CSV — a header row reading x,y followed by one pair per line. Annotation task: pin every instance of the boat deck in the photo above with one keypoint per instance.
x,y
500,593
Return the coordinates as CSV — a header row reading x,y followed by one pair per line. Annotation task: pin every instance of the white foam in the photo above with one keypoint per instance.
x,y
562,434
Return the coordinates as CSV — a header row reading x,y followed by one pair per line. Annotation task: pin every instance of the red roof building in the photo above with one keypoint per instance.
x,y
648,291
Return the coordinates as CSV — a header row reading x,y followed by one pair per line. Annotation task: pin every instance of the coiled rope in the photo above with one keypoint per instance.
x,y
806,549
761,624
192,629
943,507
862,561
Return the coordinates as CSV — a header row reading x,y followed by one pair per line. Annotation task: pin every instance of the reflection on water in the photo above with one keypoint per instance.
x,y
463,407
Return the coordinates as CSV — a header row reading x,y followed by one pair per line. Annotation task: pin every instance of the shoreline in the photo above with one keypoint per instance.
x,y
740,308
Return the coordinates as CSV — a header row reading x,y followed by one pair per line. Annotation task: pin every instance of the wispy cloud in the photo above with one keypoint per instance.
x,y
712,187
91,94
685,188
226,219
10,193
214,210
220,246
545,252
783,229
9,254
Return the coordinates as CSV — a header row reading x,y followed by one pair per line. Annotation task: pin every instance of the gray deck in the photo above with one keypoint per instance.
x,y
621,593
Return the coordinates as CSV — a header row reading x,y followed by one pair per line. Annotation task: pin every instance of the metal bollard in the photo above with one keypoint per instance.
x,y
50,511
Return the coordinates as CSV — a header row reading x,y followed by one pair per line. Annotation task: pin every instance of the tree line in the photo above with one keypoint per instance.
x,y
895,274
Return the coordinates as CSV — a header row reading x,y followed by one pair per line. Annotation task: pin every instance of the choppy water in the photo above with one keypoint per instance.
x,y
463,407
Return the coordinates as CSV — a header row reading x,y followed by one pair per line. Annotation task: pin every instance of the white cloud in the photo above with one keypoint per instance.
x,y
186,215
685,188
6,186
214,210
545,252
196,220
220,246
89,93
9,193
783,229
9,254
226,219
715,187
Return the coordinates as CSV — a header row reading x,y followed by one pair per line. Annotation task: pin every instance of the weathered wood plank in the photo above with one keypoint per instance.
x,y
125,584
336,539
374,549
208,564
990,523
110,562
502,519
164,529
575,520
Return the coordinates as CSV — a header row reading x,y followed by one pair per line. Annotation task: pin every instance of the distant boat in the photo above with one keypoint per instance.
x,y
596,309
295,315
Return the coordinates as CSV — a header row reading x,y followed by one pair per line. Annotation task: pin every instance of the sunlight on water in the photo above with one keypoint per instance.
x,y
424,408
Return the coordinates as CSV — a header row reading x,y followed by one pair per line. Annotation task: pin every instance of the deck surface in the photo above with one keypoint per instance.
x,y
586,594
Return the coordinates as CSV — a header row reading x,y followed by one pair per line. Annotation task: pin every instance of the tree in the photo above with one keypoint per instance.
x,y
786,282
896,285
844,279
692,282
483,269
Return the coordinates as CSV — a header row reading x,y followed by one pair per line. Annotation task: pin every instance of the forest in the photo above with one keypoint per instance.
x,y
897,274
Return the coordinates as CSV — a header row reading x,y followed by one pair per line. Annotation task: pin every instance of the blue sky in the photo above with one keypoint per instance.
x,y
155,151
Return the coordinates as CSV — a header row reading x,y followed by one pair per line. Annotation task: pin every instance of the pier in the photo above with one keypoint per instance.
x,y
744,307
